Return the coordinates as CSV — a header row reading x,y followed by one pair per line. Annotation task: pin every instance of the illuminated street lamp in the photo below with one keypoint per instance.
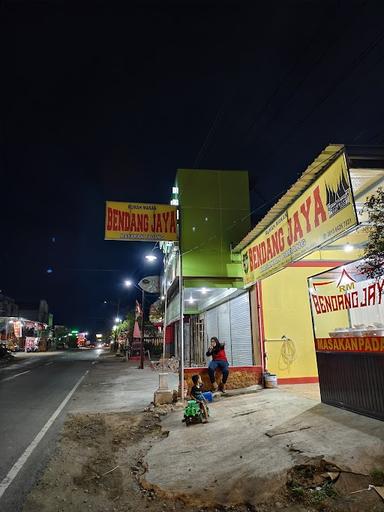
x,y
117,320
128,283
151,258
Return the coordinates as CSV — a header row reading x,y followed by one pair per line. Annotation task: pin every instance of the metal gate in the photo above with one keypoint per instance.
x,y
231,323
352,381
224,323
241,332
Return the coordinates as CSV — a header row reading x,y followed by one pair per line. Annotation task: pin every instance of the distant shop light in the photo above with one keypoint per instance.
x,y
98,336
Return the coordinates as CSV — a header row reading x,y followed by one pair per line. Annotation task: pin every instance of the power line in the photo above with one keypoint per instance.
x,y
357,62
243,218
210,134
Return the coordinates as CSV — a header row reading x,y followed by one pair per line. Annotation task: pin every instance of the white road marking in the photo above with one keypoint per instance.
x,y
47,364
14,376
8,479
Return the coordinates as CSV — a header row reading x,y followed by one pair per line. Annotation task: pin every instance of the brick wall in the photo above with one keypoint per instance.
x,y
239,376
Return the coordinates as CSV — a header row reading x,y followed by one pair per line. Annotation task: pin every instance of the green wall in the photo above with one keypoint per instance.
x,y
213,205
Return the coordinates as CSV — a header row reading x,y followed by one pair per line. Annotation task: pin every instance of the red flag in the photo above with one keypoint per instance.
x,y
136,330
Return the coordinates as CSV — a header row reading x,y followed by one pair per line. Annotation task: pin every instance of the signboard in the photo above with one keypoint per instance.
x,y
322,212
150,284
31,343
353,344
17,328
140,222
349,297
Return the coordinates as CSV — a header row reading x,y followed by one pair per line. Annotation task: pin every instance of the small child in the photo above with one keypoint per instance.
x,y
197,395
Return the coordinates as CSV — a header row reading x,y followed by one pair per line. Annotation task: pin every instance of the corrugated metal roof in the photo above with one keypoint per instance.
x,y
325,158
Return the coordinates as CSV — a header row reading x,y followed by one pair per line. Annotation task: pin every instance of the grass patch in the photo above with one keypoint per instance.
x,y
311,496
318,496
297,492
377,476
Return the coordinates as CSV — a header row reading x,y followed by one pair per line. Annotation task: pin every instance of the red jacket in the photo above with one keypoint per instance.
x,y
218,355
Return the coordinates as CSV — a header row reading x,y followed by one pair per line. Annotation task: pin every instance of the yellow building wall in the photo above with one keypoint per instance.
x,y
286,312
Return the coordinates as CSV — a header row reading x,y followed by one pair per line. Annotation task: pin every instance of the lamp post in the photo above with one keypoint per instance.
x,y
128,283
117,321
151,258
181,294
142,331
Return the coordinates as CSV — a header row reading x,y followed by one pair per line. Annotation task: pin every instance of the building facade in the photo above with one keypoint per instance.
x,y
319,228
214,214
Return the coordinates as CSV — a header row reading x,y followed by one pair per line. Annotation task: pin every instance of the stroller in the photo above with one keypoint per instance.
x,y
193,413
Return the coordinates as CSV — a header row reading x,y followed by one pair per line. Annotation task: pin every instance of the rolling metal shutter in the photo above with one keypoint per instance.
x,y
224,328
241,332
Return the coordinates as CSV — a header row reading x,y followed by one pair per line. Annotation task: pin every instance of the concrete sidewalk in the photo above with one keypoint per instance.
x,y
244,453
115,385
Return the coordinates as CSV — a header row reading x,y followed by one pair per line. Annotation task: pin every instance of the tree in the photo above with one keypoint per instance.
x,y
373,264
124,330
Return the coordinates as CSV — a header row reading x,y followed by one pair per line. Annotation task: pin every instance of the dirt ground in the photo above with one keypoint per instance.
x,y
98,466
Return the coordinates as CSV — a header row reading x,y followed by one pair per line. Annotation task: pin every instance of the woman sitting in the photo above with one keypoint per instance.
x,y
219,361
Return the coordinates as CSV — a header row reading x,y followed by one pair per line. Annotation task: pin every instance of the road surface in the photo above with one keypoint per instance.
x,y
33,401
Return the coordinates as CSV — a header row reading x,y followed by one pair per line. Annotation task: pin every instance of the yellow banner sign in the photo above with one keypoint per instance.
x,y
322,212
140,222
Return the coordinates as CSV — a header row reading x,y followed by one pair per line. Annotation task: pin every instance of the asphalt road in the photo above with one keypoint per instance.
x,y
33,404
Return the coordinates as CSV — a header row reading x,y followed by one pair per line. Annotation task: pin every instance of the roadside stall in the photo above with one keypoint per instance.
x,y
21,334
348,322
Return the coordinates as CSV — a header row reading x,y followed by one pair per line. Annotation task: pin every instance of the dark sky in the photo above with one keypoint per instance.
x,y
104,102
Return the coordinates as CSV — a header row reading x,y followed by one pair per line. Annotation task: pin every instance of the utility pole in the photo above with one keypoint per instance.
x,y
142,331
181,297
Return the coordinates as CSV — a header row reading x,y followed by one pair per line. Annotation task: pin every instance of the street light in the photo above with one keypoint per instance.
x,y
151,258
348,247
127,283
117,320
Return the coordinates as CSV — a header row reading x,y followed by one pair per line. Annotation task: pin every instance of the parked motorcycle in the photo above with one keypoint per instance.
x,y
4,352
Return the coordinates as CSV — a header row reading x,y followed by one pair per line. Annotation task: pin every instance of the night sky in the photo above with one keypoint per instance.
x,y
102,102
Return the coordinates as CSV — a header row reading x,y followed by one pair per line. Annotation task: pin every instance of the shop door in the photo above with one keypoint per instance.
x,y
241,332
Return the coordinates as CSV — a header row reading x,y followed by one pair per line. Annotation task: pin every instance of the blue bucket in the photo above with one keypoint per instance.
x,y
208,396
